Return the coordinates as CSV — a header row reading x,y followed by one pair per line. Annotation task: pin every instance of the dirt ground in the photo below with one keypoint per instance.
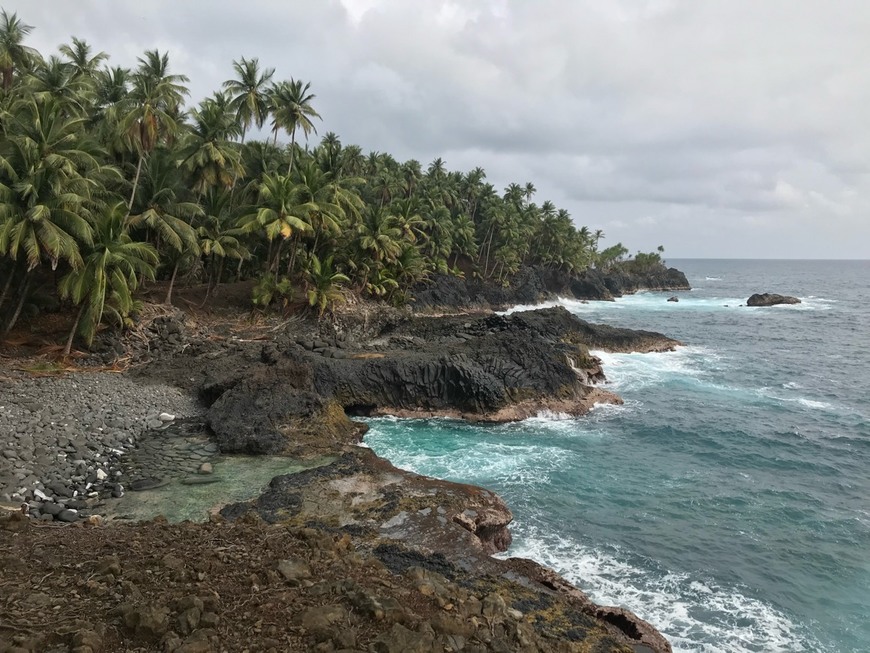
x,y
249,586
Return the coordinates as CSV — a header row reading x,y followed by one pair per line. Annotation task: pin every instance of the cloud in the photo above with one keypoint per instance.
x,y
712,127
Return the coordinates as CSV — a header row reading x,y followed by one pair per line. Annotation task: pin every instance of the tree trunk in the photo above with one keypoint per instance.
x,y
7,286
168,299
72,333
235,172
488,249
135,184
276,264
17,312
294,246
292,151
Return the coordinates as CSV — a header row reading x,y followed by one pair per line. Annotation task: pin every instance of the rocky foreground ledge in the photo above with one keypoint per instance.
x,y
353,555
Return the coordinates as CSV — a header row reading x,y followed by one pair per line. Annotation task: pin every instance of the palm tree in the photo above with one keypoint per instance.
x,y
324,290
209,156
280,214
156,98
249,94
111,92
290,105
55,79
112,270
219,239
164,209
14,55
80,57
49,178
329,201
379,235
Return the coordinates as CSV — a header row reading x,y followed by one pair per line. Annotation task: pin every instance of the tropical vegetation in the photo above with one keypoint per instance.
x,y
109,179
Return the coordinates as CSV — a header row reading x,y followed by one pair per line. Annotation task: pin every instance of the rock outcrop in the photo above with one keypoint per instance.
x,y
492,368
534,284
771,299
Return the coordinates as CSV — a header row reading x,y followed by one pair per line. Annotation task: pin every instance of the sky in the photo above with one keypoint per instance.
x,y
720,128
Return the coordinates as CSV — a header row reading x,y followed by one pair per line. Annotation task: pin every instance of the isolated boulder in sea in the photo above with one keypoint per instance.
x,y
673,299
771,299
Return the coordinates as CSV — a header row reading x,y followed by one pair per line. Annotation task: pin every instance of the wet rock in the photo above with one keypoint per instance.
x,y
771,299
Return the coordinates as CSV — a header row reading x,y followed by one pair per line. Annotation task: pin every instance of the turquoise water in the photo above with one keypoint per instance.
x,y
728,501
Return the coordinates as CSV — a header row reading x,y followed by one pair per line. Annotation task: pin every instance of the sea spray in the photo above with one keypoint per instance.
x,y
726,500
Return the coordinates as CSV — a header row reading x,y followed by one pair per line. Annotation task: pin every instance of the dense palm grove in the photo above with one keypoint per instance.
x,y
107,180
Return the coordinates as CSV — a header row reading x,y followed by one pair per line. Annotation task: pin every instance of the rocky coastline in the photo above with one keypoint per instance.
x,y
294,392
534,285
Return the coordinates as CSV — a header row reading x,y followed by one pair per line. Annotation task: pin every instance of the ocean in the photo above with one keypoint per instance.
x,y
728,501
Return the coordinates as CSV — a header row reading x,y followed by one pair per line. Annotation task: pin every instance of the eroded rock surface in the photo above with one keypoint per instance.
x,y
771,299
487,368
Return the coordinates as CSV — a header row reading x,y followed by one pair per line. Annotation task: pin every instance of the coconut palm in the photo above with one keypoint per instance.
x,y
330,202
290,105
163,208
50,179
111,92
155,101
219,237
249,94
82,60
379,235
210,158
324,290
280,214
113,267
14,55
56,79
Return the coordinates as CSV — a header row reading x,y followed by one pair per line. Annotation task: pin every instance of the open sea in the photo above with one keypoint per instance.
x,y
728,501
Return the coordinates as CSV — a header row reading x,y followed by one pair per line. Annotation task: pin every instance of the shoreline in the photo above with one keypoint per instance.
x,y
484,523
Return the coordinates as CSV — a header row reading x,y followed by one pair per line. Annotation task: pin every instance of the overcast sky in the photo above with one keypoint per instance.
x,y
717,128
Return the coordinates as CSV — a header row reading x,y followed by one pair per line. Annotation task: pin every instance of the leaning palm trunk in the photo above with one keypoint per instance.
x,y
168,299
72,332
135,185
6,287
20,306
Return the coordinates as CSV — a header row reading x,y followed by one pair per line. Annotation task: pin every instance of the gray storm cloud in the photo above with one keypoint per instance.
x,y
717,128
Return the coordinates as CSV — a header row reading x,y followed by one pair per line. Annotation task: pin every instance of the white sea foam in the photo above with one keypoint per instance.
x,y
815,404
533,307
818,405
713,278
506,462
697,615
633,371
549,415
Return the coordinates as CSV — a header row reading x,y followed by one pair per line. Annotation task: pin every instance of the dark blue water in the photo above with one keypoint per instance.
x,y
728,501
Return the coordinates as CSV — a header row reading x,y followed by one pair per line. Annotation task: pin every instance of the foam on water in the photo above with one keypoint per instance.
x,y
697,615
726,500
633,371
509,461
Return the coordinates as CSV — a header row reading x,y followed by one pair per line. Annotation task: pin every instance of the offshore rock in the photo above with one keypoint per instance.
x,y
771,299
